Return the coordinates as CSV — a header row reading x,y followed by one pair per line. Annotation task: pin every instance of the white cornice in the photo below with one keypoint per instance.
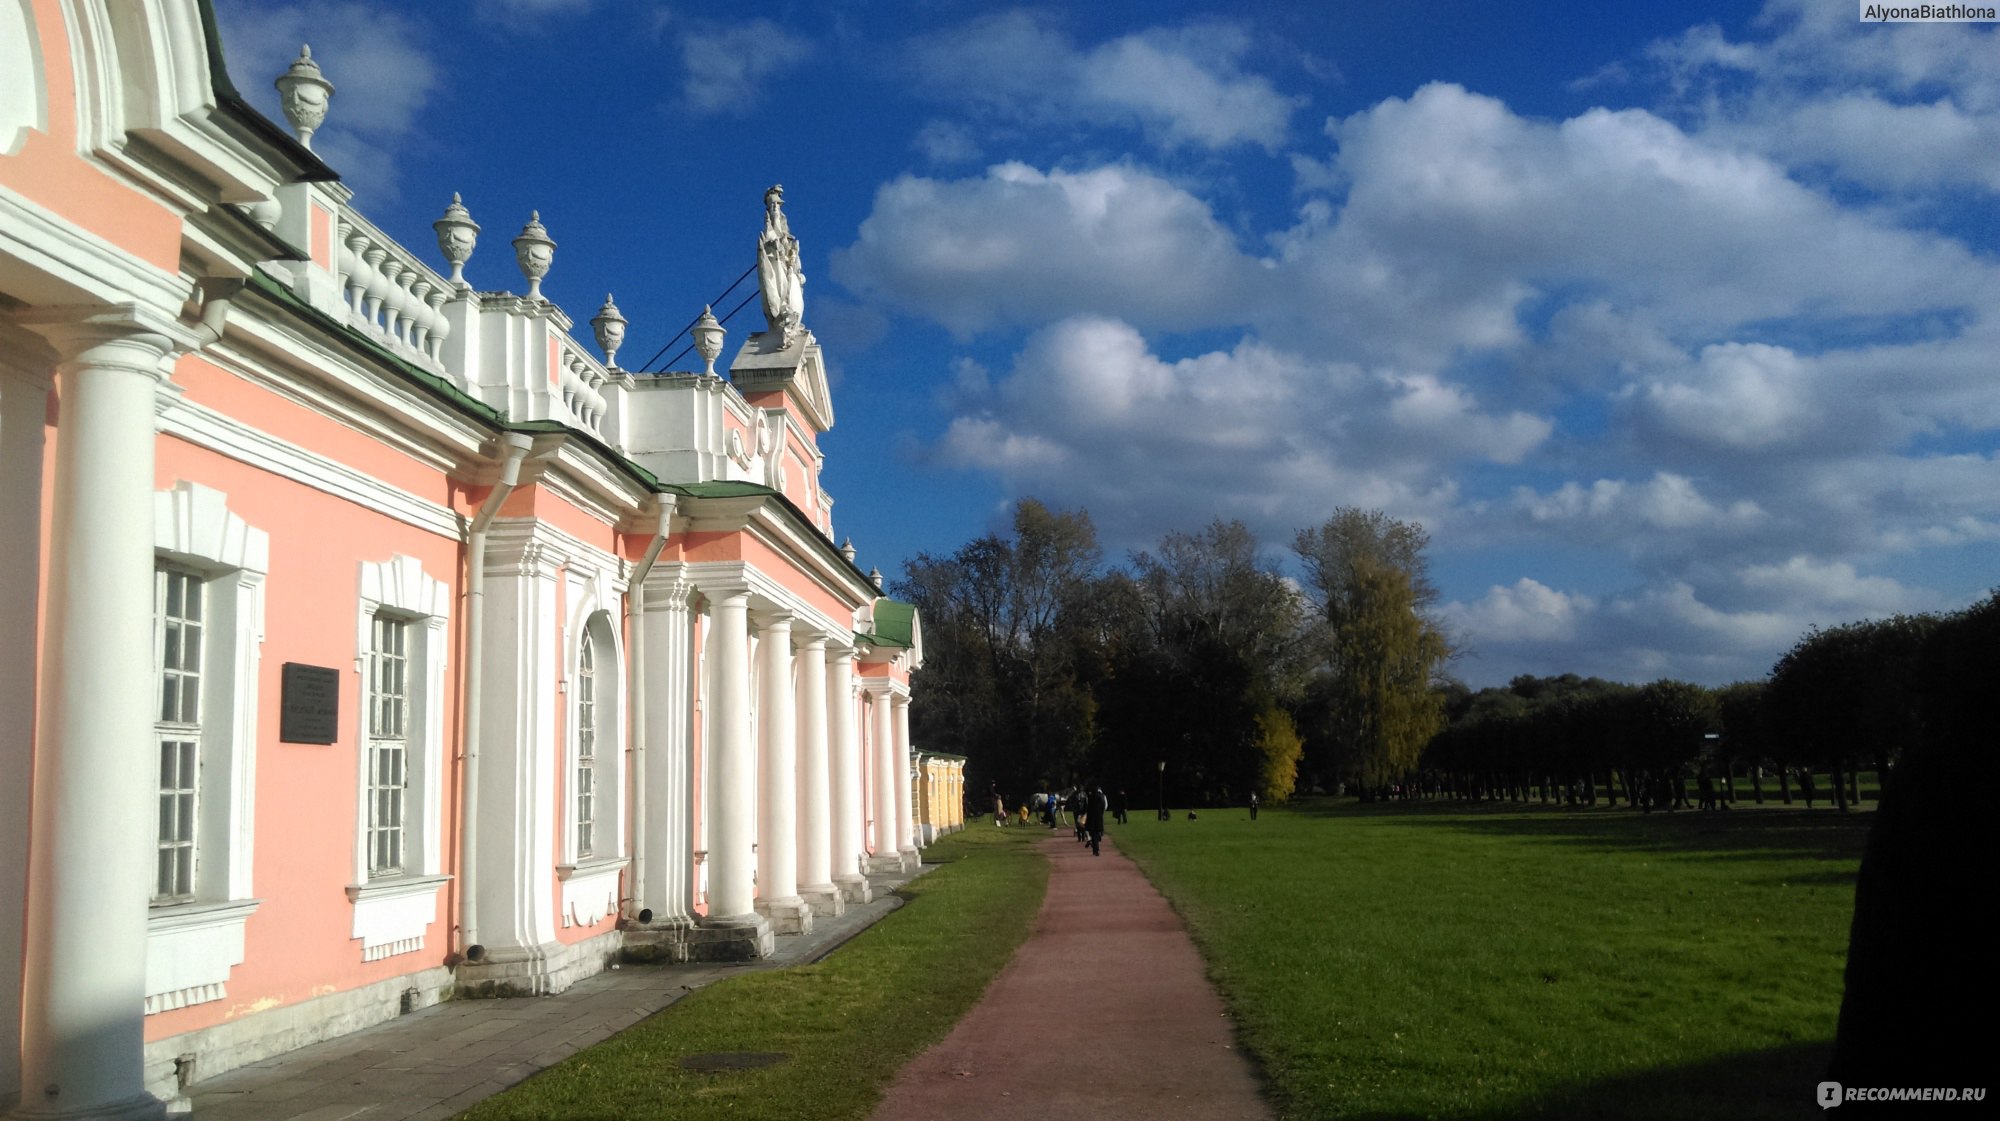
x,y
86,268
231,438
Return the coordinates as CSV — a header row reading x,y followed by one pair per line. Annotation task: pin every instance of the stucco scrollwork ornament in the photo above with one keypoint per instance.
x,y
457,236
609,326
304,93
781,279
534,251
736,451
708,339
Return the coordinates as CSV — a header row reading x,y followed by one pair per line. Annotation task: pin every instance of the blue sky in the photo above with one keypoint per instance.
x,y
1678,326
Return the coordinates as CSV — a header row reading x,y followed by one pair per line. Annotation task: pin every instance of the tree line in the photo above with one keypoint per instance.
x,y
1195,668
1198,670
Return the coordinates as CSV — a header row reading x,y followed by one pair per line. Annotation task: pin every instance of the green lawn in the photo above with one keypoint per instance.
x,y
846,1024
1444,961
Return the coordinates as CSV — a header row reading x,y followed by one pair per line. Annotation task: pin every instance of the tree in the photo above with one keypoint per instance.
x,y
1851,692
1371,584
1278,747
1210,649
1003,619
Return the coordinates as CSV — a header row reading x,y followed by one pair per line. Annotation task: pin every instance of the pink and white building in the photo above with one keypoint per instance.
x,y
367,640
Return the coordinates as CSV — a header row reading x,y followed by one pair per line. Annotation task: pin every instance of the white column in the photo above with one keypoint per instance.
x,y
24,393
887,775
91,853
906,832
733,762
778,789
849,844
815,816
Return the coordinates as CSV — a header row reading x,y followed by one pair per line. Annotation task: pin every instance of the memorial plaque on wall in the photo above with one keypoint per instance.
x,y
309,711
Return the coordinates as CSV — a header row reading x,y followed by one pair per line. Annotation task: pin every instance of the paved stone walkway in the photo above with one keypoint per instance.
x,y
434,1063
1105,1011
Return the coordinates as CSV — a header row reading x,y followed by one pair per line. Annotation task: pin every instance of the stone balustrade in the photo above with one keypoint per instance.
x,y
389,292
580,378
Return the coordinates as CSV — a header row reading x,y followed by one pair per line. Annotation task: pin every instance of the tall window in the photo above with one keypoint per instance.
x,y
586,749
388,743
178,627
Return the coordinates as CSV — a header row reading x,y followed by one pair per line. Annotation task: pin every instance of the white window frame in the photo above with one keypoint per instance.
x,y
193,943
393,912
591,883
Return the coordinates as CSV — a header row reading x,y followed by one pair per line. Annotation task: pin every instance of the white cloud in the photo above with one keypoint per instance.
x,y
1022,246
1613,509
1183,87
1738,395
1896,107
383,78
726,69
1527,611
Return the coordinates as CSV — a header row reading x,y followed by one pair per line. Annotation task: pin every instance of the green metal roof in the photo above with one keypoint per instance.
x,y
895,623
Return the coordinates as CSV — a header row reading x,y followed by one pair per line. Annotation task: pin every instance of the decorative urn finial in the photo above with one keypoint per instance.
x,y
534,252
457,235
304,92
847,549
610,327
875,578
708,339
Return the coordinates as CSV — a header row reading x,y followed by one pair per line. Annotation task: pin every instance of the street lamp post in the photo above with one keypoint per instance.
x,y
1163,790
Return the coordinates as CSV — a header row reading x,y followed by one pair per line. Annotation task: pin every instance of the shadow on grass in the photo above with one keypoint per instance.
x,y
1753,834
1775,1084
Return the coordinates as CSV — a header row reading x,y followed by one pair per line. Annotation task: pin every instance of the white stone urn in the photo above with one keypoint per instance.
x,y
534,252
304,93
609,325
457,236
708,338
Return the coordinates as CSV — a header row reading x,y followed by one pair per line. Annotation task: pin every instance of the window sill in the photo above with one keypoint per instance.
x,y
190,950
396,887
392,915
583,869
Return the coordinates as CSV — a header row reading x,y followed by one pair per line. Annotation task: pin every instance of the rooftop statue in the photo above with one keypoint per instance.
x,y
779,275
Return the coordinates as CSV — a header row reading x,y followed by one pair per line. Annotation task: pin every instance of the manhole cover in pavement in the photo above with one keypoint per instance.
x,y
733,1060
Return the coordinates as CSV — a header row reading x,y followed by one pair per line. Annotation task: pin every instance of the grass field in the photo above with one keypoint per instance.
x,y
1440,961
845,1025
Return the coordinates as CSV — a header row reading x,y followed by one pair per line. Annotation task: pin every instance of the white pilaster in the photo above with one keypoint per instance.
x,y
906,818
515,891
849,853
733,779
778,781
815,817
887,775
667,635
91,853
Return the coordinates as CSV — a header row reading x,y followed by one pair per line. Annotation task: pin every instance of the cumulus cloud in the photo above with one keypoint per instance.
x,y
1895,107
1090,412
1021,246
1184,88
726,69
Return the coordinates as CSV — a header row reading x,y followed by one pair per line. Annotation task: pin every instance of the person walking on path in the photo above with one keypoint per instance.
x,y
1093,823
1163,1048
1118,809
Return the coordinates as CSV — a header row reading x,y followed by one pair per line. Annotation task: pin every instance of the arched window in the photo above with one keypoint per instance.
x,y
585,775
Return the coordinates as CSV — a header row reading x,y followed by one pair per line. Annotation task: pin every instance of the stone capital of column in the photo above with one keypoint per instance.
x,y
900,700
773,620
812,640
124,337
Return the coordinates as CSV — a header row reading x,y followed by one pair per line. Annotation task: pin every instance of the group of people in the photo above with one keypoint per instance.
x,y
1082,807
